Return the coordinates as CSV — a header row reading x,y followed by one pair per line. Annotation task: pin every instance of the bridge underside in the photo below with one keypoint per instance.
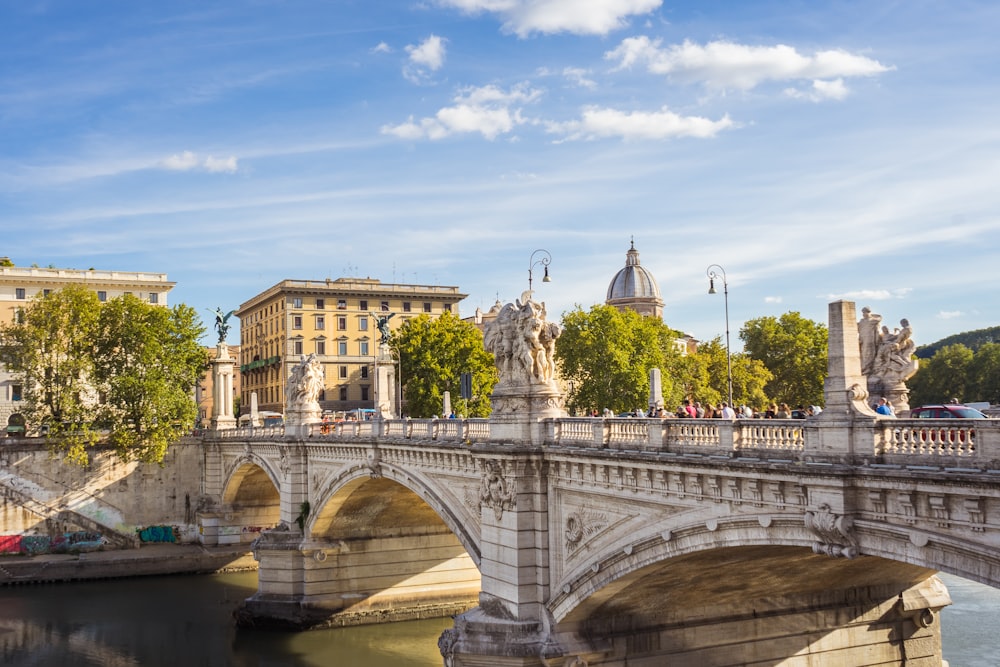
x,y
746,606
376,553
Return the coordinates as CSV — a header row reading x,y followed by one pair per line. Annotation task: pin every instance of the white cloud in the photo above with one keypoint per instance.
x,y
381,47
597,123
488,110
579,78
428,56
772,299
872,294
181,162
949,314
821,90
188,161
592,17
725,65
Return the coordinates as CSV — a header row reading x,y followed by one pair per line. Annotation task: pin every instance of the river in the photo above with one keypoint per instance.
x,y
186,620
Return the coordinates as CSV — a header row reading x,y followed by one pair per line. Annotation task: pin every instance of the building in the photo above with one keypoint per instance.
x,y
336,321
19,284
635,288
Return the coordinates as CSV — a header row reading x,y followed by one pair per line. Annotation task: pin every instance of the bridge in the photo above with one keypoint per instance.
x,y
578,541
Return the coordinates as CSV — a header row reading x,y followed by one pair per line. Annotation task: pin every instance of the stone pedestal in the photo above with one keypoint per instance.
x,y
385,384
518,411
222,389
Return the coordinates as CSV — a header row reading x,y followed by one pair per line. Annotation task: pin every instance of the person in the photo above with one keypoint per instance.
x,y
692,412
772,411
728,412
699,410
784,412
884,408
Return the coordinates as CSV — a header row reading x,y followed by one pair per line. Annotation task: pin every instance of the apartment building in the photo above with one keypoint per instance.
x,y
334,319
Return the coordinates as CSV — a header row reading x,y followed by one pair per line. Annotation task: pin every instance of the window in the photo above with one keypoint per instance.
x,y
364,348
15,392
46,292
364,372
296,321
342,348
297,302
427,306
342,323
364,394
320,304
406,306
341,304
102,295
343,393
321,347
363,305
384,306
296,347
343,372
446,307
19,292
320,322
363,323
154,297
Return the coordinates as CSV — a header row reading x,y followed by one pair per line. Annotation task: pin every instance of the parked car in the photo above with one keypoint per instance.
x,y
946,411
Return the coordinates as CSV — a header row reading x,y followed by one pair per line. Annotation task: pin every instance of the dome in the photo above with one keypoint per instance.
x,y
635,288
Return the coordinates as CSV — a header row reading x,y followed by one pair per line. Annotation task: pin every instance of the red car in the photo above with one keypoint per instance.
x,y
947,411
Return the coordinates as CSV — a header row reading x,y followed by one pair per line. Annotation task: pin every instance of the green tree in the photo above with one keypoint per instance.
x,y
983,374
48,347
147,363
942,377
709,381
433,353
793,349
605,356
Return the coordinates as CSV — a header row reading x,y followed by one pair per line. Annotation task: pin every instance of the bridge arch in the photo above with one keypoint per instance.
x,y
251,500
338,491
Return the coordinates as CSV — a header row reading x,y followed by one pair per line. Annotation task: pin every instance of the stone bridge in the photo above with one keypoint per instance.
x,y
577,541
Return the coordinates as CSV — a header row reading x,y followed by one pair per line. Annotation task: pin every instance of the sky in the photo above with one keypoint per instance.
x,y
814,150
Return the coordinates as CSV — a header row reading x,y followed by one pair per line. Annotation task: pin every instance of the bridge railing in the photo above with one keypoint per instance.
x,y
938,442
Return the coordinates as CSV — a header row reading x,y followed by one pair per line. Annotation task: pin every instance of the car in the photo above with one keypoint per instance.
x,y
946,411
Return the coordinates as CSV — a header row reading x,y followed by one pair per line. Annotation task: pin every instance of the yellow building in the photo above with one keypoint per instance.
x,y
19,284
334,319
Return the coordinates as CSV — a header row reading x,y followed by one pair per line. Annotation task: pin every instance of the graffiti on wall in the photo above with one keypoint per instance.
x,y
75,542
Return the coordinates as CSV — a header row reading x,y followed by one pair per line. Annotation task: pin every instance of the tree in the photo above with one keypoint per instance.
x,y
49,349
605,356
433,354
127,368
147,363
983,374
942,377
708,371
794,351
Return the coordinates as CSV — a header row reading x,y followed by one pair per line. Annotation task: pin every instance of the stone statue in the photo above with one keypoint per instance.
x,y
305,383
523,342
382,324
222,323
887,358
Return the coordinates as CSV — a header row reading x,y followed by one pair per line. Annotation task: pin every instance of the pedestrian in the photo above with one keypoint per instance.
x,y
884,408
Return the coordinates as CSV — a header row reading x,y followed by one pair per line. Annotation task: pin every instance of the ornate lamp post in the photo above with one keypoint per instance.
x,y
544,261
714,273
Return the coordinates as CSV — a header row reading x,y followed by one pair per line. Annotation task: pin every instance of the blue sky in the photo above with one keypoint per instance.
x,y
815,150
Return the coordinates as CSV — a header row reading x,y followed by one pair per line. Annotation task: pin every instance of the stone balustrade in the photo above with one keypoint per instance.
x,y
906,442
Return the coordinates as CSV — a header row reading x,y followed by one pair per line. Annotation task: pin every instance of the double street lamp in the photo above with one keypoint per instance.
x,y
716,272
544,261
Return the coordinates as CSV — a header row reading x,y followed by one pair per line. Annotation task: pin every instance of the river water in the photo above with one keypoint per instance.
x,y
187,620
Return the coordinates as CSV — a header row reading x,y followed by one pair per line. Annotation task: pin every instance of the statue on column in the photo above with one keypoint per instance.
x,y
523,343
222,323
302,393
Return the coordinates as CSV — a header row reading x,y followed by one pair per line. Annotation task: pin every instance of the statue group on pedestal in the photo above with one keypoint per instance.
x,y
886,357
523,343
304,385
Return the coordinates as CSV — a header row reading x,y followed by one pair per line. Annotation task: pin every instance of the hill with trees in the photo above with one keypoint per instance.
x,y
970,339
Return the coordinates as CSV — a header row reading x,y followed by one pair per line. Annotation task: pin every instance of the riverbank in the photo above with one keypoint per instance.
x,y
150,559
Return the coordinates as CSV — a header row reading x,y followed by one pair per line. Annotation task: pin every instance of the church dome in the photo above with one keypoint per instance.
x,y
635,288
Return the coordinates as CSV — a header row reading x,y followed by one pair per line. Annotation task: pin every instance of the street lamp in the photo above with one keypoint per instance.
x,y
544,261
712,277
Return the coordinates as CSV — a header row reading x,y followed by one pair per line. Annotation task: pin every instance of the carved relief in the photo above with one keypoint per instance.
x,y
974,507
835,533
939,510
494,490
374,464
580,525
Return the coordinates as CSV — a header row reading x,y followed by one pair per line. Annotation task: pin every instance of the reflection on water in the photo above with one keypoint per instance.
x,y
187,620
